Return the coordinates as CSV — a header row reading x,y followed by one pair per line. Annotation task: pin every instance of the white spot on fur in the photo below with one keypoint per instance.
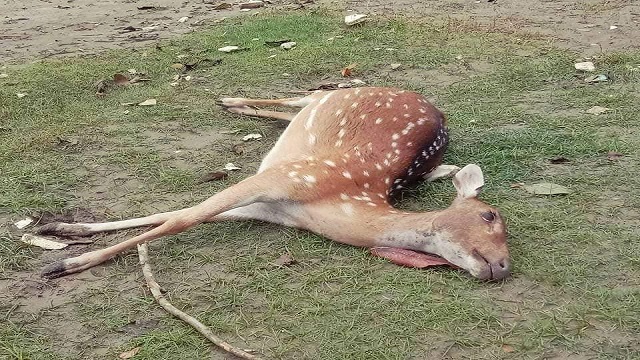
x,y
406,106
395,136
347,208
343,121
387,181
388,105
346,174
344,196
378,166
371,204
378,120
366,185
365,173
338,112
293,174
312,139
363,116
341,133
330,163
378,104
297,166
354,105
338,143
309,178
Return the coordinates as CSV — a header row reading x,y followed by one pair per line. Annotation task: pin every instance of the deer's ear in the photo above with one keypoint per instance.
x,y
469,181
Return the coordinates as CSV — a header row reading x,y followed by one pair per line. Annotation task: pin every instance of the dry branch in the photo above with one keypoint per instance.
x,y
201,328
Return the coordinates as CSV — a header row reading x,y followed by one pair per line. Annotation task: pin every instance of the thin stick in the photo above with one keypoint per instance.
x,y
202,329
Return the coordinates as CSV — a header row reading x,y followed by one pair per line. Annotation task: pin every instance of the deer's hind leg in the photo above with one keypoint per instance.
x,y
268,187
246,106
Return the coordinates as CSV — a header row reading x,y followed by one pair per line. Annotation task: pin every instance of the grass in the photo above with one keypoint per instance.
x,y
514,104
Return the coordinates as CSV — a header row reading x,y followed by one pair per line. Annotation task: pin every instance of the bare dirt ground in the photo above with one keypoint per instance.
x,y
35,29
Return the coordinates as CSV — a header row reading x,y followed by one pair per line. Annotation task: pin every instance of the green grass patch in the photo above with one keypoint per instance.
x,y
512,105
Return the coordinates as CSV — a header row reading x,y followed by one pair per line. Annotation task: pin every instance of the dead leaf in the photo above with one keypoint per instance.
x,y
222,6
354,19
508,348
42,242
238,149
252,4
613,156
23,223
120,79
231,167
183,19
178,66
212,176
285,260
348,70
228,49
21,95
597,110
342,85
517,185
148,102
276,43
129,354
252,137
546,189
559,160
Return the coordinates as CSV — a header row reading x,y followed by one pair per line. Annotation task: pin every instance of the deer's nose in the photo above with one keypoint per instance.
x,y
500,269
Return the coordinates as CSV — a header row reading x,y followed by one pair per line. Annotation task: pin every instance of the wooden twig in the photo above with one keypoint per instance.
x,y
201,328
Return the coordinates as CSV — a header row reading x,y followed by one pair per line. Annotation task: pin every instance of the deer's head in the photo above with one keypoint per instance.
x,y
473,234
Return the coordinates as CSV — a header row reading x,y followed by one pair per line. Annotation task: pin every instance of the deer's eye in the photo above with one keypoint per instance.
x,y
488,216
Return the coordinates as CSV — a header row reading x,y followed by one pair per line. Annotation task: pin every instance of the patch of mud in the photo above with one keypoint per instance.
x,y
59,27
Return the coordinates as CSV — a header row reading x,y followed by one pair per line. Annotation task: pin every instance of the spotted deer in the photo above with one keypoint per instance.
x,y
334,171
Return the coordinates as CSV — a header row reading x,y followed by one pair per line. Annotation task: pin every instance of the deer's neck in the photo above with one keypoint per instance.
x,y
413,231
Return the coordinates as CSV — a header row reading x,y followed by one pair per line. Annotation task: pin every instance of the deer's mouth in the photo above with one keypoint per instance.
x,y
410,258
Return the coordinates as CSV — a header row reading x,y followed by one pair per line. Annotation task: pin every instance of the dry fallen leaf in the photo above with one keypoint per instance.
x,y
212,176
42,242
148,102
254,4
228,49
252,137
546,189
354,19
231,167
285,260
597,110
348,70
222,6
120,79
559,160
508,348
129,354
238,149
23,223
21,95
613,156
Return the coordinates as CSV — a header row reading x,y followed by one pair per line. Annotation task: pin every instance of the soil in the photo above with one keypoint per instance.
x,y
31,30
37,29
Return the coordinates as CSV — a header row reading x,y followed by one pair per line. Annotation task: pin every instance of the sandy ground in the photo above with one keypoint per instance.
x,y
33,29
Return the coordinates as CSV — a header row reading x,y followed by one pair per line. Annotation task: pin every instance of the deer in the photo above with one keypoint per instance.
x,y
336,170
